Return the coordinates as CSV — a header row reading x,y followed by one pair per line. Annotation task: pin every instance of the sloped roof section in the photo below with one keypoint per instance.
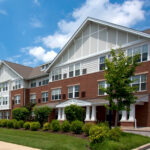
x,y
147,31
90,19
25,72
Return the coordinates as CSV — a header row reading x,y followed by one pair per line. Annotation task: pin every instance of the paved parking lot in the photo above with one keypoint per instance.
x,y
10,146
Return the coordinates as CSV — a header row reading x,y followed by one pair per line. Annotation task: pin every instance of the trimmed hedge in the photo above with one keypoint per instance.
x,y
46,126
21,123
65,126
76,126
86,128
34,126
55,125
26,125
3,123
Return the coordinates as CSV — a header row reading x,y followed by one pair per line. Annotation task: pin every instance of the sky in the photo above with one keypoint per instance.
x,y
32,32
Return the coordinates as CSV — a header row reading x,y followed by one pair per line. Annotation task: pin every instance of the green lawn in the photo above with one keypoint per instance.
x,y
43,140
127,142
52,141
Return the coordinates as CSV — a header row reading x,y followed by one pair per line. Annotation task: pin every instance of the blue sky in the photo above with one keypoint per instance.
x,y
33,31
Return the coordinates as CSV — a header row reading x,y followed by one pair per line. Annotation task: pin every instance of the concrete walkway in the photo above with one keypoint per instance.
x,y
10,146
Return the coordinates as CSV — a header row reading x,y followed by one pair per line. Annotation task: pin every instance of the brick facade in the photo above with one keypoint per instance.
x,y
89,84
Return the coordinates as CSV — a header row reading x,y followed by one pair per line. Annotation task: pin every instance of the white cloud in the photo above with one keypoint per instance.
x,y
3,12
36,2
35,23
128,14
40,54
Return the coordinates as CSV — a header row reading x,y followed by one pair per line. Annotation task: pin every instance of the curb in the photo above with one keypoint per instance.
x,y
144,147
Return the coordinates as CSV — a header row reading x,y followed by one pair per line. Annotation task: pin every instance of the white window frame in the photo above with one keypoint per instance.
x,y
17,99
55,92
73,91
105,86
45,97
32,98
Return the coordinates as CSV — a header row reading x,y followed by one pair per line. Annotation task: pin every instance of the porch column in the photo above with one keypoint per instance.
x,y
93,116
124,115
132,113
87,113
63,114
59,113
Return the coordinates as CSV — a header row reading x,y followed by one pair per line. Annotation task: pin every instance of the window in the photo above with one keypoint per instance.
x,y
6,115
84,71
17,85
73,91
17,99
40,83
33,84
139,82
71,68
102,63
101,84
141,50
56,94
65,75
56,75
33,98
3,100
45,82
44,97
77,69
1,115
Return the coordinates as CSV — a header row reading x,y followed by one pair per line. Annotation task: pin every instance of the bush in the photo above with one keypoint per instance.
x,y
20,113
21,122
26,125
42,113
16,124
86,128
74,112
46,126
34,126
76,126
3,123
55,125
10,123
65,126
115,134
98,134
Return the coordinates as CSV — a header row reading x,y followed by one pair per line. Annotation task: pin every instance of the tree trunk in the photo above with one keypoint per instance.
x,y
110,118
116,118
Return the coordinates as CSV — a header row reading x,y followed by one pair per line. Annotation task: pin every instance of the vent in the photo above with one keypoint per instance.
x,y
83,94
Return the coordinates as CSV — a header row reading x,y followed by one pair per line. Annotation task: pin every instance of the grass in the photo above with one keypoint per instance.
x,y
128,141
43,140
53,141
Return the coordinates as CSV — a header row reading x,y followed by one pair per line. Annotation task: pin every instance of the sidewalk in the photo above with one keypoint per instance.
x,y
10,146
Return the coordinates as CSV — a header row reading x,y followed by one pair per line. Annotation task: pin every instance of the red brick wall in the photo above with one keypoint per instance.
x,y
89,84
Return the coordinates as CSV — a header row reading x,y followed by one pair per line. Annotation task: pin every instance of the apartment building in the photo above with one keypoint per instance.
x,y
76,73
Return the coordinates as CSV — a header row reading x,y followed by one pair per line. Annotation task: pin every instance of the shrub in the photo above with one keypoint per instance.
x,y
74,112
16,124
55,125
34,126
3,123
21,122
65,126
98,134
20,113
76,126
46,126
26,125
10,123
42,113
115,134
86,128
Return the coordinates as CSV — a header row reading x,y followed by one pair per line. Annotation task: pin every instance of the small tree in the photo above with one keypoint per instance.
x,y
118,72
42,113
74,112
20,113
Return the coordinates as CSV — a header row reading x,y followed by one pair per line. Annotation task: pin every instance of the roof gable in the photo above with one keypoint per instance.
x,y
122,28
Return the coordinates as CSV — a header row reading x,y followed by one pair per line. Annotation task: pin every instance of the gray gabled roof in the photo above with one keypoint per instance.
x,y
88,19
25,72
